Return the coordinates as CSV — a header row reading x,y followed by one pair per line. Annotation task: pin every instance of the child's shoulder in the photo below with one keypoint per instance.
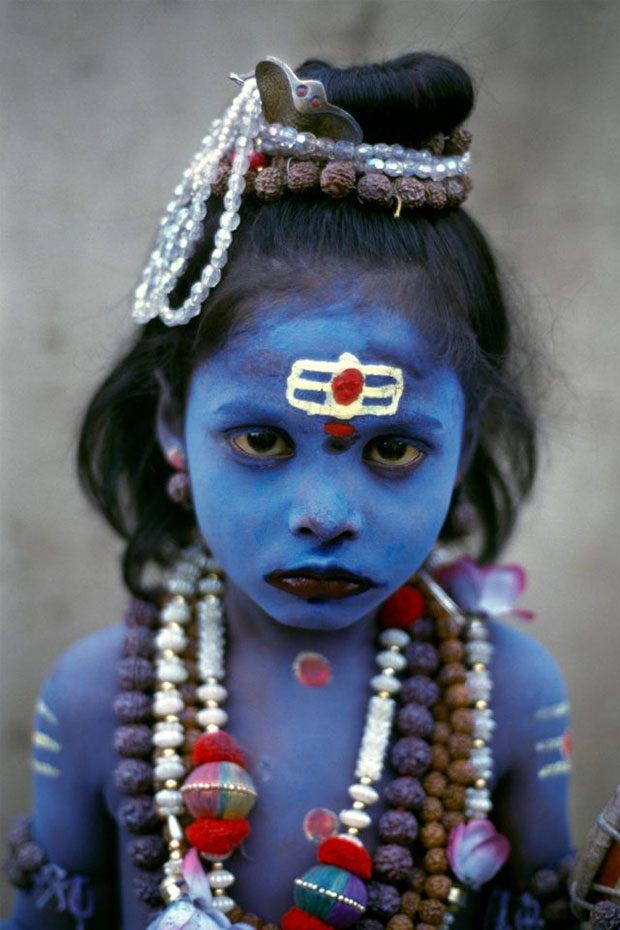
x,y
528,689
523,667
82,680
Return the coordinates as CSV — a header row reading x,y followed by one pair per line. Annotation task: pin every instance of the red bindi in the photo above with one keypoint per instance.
x,y
339,430
347,386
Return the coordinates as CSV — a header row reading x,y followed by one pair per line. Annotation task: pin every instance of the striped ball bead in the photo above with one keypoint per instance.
x,y
333,895
222,790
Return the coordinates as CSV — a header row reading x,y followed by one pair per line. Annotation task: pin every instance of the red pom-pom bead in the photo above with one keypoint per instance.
x,y
346,855
403,608
217,837
296,919
218,747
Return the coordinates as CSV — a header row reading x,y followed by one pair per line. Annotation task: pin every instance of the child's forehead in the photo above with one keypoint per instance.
x,y
279,336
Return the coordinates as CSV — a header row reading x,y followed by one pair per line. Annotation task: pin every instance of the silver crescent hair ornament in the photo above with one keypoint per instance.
x,y
276,122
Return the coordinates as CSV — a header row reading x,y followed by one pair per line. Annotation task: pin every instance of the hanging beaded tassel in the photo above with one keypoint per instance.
x,y
181,227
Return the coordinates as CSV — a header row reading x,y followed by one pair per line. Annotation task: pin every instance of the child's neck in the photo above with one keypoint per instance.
x,y
249,624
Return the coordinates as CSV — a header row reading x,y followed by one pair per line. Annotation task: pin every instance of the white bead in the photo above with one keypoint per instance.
x,y
212,693
477,630
353,818
176,640
223,903
169,768
167,702
176,611
389,659
385,683
169,802
174,867
168,739
212,715
393,637
363,793
171,670
220,878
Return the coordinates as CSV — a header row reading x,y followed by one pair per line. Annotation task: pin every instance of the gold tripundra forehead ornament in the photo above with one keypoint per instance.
x,y
280,134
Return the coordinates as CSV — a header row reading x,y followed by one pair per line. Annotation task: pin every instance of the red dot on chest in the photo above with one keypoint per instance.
x,y
347,386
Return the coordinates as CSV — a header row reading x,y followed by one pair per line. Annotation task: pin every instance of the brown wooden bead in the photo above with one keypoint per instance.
x,y
455,192
236,914
338,179
220,183
459,141
436,196
438,886
434,783
432,911
457,696
302,175
447,626
376,189
452,674
440,757
270,926
441,712
433,834
441,732
461,772
270,183
462,720
416,878
411,191
435,144
424,926
467,182
453,797
451,818
432,809
253,921
451,650
436,861
409,903
399,922
459,745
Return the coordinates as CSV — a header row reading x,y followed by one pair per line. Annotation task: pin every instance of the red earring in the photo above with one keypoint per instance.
x,y
178,487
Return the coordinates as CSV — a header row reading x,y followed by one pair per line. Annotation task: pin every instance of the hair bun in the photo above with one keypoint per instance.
x,y
405,100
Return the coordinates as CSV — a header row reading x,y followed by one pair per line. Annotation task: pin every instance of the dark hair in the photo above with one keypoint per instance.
x,y
434,264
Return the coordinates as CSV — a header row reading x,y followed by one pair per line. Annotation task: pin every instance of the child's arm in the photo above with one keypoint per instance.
x,y
533,740
72,745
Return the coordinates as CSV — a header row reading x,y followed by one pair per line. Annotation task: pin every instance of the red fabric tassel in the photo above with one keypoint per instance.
x,y
296,919
218,747
217,837
346,855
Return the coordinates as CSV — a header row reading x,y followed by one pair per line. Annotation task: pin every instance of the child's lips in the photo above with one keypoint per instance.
x,y
333,584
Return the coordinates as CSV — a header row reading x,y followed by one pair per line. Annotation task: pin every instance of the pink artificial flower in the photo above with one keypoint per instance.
x,y
490,590
476,851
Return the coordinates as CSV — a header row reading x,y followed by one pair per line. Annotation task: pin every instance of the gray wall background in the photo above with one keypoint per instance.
x,y
103,103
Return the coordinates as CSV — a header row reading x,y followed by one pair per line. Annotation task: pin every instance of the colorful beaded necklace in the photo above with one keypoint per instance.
x,y
172,671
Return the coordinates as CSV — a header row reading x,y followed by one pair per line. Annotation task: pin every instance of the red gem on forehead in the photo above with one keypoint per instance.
x,y
339,430
347,386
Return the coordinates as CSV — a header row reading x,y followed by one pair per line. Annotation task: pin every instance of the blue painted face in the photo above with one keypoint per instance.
x,y
318,531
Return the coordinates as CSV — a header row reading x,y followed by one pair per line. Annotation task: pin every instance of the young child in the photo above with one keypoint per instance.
x,y
341,403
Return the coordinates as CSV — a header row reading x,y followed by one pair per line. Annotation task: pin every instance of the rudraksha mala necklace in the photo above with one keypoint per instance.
x,y
195,791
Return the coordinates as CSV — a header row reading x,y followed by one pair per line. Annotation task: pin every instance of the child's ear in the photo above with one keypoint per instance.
x,y
169,421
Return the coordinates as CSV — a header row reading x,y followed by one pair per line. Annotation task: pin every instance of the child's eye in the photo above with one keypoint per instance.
x,y
392,452
263,443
